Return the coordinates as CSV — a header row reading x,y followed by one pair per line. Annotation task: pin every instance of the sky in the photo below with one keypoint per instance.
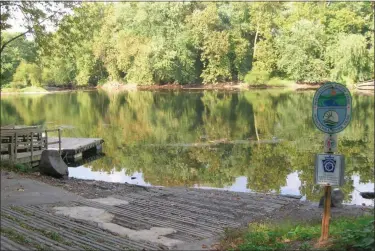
x,y
18,24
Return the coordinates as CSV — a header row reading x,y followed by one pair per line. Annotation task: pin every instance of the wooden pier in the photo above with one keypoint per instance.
x,y
25,144
75,148
366,86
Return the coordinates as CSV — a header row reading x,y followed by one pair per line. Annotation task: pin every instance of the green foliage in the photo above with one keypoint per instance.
x,y
191,42
20,50
351,59
255,77
358,234
27,75
347,234
302,51
279,82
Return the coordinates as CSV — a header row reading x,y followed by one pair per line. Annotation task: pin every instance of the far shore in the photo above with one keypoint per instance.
x,y
118,87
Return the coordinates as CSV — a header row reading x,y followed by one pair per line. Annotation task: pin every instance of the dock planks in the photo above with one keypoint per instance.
x,y
72,146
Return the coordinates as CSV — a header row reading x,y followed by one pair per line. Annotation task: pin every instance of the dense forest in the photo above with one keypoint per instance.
x,y
193,42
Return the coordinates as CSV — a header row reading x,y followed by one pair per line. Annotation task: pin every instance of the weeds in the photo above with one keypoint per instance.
x,y
346,234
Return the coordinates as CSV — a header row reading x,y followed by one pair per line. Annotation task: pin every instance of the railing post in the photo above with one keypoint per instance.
x,y
59,132
15,148
31,145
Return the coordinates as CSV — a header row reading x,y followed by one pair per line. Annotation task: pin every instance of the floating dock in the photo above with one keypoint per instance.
x,y
75,148
20,145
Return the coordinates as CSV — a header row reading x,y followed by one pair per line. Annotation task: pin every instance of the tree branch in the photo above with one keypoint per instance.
x,y
29,30
14,38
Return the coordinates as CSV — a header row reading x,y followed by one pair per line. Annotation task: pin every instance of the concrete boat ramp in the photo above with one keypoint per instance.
x,y
114,216
37,215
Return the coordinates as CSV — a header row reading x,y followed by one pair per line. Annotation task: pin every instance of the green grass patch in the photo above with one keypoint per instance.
x,y
49,234
17,168
26,89
15,236
345,234
33,89
279,82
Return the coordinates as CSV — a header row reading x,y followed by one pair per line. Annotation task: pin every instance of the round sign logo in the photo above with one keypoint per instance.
x,y
332,106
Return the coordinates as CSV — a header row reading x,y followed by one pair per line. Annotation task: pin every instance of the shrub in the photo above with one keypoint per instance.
x,y
256,77
27,75
279,82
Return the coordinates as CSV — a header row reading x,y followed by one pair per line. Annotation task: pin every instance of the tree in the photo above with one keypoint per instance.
x,y
35,16
301,51
20,49
350,59
27,74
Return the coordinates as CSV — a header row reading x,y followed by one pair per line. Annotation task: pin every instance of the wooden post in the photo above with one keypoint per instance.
x,y
59,132
46,140
15,148
326,214
31,146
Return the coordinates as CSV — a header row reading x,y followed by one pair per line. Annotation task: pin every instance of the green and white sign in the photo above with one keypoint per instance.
x,y
332,108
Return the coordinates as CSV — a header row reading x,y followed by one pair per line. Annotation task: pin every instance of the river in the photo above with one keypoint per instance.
x,y
166,138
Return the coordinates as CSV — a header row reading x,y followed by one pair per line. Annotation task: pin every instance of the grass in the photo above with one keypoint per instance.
x,y
17,168
279,82
345,234
26,89
49,234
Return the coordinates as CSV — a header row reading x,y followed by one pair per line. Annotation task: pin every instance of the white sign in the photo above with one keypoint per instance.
x,y
330,143
329,169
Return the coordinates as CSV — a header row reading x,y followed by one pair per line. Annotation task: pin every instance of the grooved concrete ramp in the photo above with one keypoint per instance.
x,y
39,216
143,220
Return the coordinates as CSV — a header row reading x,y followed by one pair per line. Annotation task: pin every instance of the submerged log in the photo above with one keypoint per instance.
x,y
368,195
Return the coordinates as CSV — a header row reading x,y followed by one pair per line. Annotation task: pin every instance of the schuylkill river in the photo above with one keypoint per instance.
x,y
165,138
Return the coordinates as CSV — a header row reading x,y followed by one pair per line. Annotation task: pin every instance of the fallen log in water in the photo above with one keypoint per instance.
x,y
217,142
368,85
368,195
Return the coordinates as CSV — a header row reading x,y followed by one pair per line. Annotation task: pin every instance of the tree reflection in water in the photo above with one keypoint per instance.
x,y
141,128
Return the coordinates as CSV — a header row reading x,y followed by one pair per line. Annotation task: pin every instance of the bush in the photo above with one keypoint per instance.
x,y
346,234
255,77
279,82
17,84
27,75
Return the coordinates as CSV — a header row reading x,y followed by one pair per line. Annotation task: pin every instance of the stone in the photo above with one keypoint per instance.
x,y
337,197
52,164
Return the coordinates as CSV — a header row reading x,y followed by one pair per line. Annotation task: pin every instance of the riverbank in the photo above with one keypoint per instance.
x,y
117,87
40,90
175,218
111,87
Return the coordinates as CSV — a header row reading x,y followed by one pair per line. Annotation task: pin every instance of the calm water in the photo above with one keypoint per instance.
x,y
150,136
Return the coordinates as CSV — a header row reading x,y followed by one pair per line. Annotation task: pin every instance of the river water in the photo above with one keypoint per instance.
x,y
261,141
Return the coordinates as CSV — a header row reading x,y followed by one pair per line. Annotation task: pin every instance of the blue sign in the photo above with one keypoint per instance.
x,y
332,108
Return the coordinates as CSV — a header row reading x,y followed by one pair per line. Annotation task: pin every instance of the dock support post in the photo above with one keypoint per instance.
x,y
59,132
46,140
31,145
15,148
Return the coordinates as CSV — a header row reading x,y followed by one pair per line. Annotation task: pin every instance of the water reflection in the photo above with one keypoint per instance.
x,y
200,138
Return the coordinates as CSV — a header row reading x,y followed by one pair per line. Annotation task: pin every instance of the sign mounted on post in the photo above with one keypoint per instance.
x,y
330,143
329,169
332,108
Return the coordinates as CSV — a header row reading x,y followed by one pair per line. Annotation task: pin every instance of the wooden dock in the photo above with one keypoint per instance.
x,y
74,148
366,86
20,144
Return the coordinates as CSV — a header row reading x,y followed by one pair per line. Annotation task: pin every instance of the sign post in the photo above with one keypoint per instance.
x,y
332,106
